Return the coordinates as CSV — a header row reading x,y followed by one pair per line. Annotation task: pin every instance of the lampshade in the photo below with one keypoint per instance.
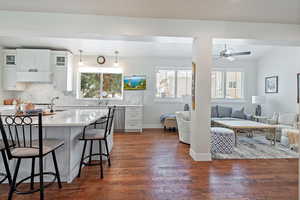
x,y
258,99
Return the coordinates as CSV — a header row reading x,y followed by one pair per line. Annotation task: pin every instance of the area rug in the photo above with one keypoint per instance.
x,y
257,147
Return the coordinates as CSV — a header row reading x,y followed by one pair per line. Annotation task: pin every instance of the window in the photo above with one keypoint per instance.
x,y
227,84
173,84
95,83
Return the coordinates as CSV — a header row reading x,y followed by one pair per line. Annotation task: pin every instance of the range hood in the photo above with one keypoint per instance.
x,y
33,66
37,77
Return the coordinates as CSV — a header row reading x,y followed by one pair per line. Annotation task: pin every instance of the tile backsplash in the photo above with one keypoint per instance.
x,y
42,93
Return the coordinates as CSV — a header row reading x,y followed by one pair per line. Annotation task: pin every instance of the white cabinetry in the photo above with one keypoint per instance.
x,y
10,58
33,65
9,71
63,72
134,119
9,80
35,60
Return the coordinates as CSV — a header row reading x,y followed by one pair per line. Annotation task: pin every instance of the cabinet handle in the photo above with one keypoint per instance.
x,y
32,70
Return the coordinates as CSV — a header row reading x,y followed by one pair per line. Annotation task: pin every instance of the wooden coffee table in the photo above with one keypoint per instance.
x,y
239,126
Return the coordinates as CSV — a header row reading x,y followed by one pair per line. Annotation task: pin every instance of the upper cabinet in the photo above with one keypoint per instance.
x,y
22,66
10,58
63,71
33,65
9,71
33,60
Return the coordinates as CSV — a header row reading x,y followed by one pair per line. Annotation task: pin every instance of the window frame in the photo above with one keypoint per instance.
x,y
169,99
100,71
224,79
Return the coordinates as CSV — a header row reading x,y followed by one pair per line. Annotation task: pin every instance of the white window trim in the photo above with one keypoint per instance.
x,y
100,71
170,99
226,100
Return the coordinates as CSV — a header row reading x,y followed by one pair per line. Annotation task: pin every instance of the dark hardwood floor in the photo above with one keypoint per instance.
x,y
154,165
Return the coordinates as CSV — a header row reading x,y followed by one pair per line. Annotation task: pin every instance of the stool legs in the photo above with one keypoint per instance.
x,y
107,152
82,158
41,166
13,184
56,170
5,162
32,174
100,152
91,151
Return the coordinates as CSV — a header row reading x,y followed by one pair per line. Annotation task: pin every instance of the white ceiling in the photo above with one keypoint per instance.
x,y
274,11
146,46
155,46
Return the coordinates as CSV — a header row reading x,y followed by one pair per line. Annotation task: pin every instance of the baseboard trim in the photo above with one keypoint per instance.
x,y
200,156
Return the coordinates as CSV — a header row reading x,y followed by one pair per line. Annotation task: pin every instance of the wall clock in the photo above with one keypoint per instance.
x,y
101,60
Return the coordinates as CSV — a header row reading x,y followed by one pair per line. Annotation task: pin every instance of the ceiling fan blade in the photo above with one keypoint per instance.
x,y
240,53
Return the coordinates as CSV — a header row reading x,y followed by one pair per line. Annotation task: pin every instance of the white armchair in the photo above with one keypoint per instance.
x,y
184,124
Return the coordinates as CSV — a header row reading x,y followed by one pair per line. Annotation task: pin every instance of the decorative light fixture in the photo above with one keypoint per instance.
x,y
80,63
116,63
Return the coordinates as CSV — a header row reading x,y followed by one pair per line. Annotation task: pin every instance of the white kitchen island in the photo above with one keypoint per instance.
x,y
66,125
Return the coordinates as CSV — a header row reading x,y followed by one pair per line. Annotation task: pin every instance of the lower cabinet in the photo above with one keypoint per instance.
x,y
134,119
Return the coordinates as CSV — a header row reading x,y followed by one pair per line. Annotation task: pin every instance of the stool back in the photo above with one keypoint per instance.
x,y
18,132
109,120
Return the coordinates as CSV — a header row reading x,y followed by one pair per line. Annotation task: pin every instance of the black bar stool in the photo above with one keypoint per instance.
x,y
93,133
7,174
18,133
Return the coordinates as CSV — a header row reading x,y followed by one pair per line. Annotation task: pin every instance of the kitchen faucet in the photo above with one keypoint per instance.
x,y
52,103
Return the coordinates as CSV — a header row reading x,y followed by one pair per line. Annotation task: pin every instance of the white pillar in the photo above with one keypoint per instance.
x,y
200,136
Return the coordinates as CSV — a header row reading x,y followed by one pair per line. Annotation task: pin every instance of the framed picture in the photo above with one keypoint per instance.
x,y
298,88
271,84
135,82
193,86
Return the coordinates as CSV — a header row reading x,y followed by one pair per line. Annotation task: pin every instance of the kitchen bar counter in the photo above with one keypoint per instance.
x,y
66,125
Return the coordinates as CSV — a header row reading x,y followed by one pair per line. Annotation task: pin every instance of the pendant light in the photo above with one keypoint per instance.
x,y
80,63
116,63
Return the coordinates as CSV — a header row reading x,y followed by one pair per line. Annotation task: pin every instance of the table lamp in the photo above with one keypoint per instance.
x,y
258,100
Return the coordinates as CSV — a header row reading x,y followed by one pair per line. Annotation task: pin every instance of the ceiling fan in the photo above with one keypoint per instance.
x,y
230,55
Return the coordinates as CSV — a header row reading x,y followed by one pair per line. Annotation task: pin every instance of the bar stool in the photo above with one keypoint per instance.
x,y
18,133
93,133
5,175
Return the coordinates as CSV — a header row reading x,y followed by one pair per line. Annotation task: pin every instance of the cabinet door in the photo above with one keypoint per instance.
x,y
60,79
10,58
9,80
26,60
42,60
33,60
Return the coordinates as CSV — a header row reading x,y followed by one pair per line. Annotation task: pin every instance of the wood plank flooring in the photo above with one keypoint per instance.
x,y
155,166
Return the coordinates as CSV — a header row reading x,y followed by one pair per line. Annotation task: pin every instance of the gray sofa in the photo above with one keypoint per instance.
x,y
227,113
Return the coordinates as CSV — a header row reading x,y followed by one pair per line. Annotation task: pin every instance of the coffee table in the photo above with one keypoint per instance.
x,y
239,126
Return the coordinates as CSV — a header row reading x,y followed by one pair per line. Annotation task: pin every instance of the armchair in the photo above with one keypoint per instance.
x,y
184,124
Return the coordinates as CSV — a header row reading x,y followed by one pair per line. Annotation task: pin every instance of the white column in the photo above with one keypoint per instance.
x,y
200,136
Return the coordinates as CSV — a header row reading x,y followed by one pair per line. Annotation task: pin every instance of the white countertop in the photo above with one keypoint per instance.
x,y
73,117
97,106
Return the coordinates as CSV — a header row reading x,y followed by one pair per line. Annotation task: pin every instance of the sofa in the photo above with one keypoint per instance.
x,y
283,122
184,124
227,113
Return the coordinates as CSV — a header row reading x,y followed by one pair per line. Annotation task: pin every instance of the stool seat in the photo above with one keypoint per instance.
x,y
222,140
94,134
49,145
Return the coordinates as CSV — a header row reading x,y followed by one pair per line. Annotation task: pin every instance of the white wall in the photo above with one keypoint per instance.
x,y
283,62
249,68
131,66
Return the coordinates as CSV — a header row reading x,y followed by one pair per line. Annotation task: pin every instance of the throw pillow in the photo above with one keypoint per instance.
x,y
224,111
240,114
214,111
